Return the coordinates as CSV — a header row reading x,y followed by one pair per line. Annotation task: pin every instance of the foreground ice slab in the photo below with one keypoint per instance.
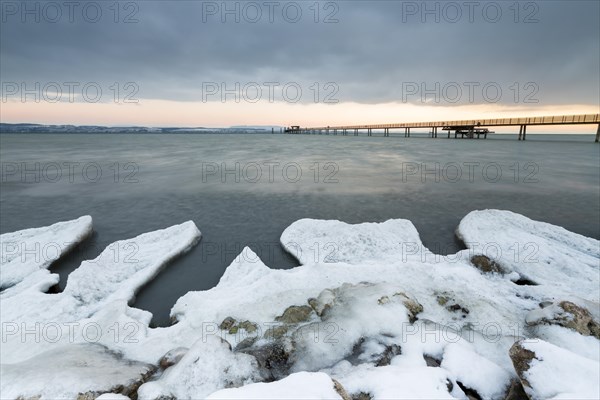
x,y
370,308
68,328
26,252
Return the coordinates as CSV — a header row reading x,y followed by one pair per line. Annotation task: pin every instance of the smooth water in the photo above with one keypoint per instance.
x,y
244,190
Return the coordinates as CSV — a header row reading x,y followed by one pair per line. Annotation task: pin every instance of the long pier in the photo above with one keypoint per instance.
x,y
473,128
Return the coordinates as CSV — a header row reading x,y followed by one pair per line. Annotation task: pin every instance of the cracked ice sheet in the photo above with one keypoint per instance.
x,y
25,255
96,295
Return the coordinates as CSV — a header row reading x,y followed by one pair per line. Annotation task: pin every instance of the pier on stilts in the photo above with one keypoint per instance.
x,y
465,129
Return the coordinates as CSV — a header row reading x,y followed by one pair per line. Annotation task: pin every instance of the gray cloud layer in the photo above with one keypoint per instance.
x,y
373,49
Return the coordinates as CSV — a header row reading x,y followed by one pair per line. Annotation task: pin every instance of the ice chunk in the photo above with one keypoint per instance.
x,y
318,241
540,252
66,371
23,253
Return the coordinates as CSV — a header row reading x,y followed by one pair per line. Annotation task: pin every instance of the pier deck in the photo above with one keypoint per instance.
x,y
463,128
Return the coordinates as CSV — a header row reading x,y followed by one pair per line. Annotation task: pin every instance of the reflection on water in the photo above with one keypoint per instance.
x,y
244,190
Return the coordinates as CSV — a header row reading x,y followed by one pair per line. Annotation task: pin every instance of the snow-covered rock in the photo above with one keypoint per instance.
x,y
550,372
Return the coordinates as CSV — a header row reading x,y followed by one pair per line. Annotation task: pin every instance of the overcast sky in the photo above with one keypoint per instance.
x,y
541,55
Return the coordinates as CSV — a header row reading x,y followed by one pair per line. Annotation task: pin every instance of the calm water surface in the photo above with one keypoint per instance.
x,y
244,190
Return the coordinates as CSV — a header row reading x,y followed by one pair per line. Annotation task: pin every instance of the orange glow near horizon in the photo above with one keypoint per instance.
x,y
163,113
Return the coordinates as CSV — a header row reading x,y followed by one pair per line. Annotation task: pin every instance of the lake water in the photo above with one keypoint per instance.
x,y
244,190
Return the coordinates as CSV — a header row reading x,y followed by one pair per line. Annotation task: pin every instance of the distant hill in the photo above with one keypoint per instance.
x,y
39,128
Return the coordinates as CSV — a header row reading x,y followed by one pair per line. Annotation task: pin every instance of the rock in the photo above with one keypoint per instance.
x,y
129,390
470,393
323,302
412,305
246,343
362,396
486,265
442,300
431,362
172,357
386,357
276,332
521,357
340,390
383,300
295,314
516,391
248,326
233,330
227,323
568,315
579,319
274,359
457,308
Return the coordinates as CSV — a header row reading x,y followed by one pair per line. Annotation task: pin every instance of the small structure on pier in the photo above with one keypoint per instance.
x,y
469,132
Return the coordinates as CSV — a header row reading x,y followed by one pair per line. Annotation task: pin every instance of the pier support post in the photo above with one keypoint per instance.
x,y
598,134
520,132
524,132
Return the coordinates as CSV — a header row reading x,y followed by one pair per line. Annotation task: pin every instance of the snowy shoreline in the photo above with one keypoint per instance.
x,y
369,313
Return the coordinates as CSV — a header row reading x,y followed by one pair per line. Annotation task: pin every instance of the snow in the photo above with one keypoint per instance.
x,y
65,371
203,370
24,253
367,282
301,385
475,371
560,374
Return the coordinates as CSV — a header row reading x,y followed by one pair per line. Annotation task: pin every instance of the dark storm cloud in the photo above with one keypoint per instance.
x,y
377,51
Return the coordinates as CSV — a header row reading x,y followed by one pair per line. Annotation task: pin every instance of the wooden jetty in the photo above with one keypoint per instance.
x,y
470,129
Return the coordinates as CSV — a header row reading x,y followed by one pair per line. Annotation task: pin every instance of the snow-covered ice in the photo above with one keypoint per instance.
x,y
372,308
26,255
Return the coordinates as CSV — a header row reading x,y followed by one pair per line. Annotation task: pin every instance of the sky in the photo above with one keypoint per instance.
x,y
224,63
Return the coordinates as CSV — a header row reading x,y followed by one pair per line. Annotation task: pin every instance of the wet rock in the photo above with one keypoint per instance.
x,y
383,300
521,358
340,390
486,265
516,391
227,324
233,330
295,314
568,315
442,300
172,357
